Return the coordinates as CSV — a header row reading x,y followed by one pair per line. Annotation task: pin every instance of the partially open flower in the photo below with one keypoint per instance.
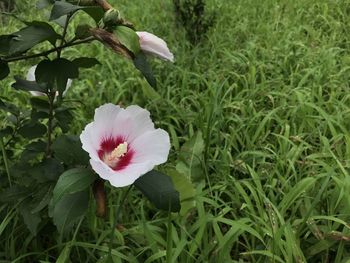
x,y
123,143
154,45
31,77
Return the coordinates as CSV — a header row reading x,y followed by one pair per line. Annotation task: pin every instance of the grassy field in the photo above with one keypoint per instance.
x,y
264,101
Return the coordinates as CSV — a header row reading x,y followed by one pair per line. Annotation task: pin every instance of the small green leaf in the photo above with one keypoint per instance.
x,y
141,63
159,189
69,209
84,62
128,38
32,130
4,69
68,149
186,189
63,8
56,73
22,84
72,181
35,33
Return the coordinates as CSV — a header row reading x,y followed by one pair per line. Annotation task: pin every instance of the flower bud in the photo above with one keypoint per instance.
x,y
111,17
153,45
101,198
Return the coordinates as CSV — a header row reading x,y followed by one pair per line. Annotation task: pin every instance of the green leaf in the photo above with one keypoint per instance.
x,y
31,220
47,170
185,188
32,150
22,84
40,103
128,38
149,92
56,73
38,115
141,63
190,157
82,31
159,189
9,107
72,181
63,8
69,209
68,149
32,130
4,69
64,118
95,12
84,62
44,3
35,33
5,42
64,255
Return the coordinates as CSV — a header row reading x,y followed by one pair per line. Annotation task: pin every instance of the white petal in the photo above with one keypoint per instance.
x,y
37,93
31,73
120,178
141,121
104,122
69,83
87,139
152,146
129,123
154,45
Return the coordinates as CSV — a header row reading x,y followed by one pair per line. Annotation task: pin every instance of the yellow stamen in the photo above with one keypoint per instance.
x,y
120,151
113,157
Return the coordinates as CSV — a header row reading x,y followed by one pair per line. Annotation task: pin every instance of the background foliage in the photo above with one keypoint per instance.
x,y
259,120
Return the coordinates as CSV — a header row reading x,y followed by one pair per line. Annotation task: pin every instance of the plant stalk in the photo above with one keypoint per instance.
x,y
51,95
63,35
4,155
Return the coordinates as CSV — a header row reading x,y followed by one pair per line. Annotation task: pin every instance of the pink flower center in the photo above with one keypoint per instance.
x,y
116,153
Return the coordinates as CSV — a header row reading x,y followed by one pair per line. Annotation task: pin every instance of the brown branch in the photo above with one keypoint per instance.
x,y
104,4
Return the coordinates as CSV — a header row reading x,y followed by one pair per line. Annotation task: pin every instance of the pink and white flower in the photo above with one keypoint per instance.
x,y
31,77
154,45
123,143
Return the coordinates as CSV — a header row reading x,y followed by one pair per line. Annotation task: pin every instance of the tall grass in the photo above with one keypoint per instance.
x,y
269,90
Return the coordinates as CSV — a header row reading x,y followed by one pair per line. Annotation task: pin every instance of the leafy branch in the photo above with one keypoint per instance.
x,y
46,53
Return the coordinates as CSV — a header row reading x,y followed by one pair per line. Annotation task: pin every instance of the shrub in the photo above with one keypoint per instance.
x,y
192,16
